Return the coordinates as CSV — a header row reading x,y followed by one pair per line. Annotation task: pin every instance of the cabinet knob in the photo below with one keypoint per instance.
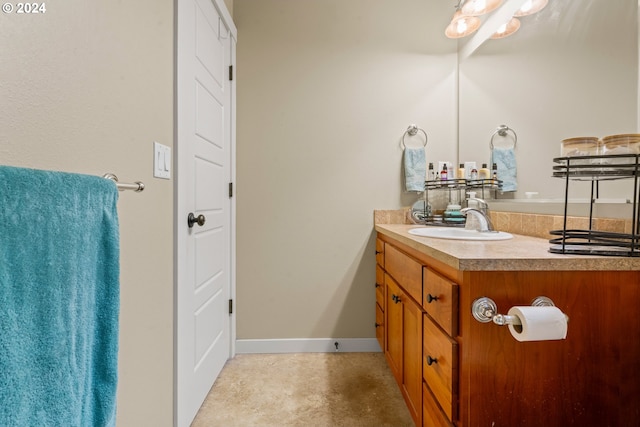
x,y
431,360
378,285
378,252
431,298
378,325
395,298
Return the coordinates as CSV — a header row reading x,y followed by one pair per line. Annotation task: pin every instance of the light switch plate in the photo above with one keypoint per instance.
x,y
161,161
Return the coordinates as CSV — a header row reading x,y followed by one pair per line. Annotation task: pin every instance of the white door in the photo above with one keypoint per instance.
x,y
204,151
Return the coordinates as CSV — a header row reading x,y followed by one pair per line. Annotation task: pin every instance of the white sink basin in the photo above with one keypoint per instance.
x,y
459,233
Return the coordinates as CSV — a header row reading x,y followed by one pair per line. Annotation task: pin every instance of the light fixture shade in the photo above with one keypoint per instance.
x,y
479,7
462,26
505,30
530,7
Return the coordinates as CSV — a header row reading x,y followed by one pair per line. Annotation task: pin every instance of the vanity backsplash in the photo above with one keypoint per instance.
x,y
533,225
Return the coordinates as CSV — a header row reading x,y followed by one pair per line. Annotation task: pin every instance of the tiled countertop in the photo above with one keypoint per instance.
x,y
520,253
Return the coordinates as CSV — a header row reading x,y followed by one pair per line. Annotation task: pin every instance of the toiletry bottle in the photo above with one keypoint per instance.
x,y
494,173
444,173
460,171
483,173
474,174
431,176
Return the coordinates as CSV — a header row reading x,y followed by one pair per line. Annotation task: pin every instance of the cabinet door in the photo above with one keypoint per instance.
x,y
380,287
412,357
380,326
406,270
432,416
441,367
441,300
380,252
393,324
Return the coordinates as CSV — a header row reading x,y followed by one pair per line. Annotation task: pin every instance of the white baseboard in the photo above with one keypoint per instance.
x,y
308,345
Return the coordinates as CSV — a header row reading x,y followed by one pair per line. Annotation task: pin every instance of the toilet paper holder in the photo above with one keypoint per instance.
x,y
485,310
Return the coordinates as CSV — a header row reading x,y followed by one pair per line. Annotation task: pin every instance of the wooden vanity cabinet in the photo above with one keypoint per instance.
x,y
480,375
419,300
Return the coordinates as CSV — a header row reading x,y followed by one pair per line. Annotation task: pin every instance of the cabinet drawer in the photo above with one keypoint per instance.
x,y
380,286
440,366
441,301
380,326
432,416
380,252
405,270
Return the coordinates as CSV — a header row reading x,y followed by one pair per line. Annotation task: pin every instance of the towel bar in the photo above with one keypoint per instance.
x,y
136,186
502,131
412,130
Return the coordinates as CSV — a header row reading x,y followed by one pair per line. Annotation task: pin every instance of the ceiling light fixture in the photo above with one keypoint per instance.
x,y
462,26
530,7
479,7
506,29
465,20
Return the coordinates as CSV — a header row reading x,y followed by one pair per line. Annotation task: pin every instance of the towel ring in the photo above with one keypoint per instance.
x,y
502,131
412,130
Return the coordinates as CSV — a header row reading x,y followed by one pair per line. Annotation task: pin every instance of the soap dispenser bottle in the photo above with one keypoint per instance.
x,y
471,200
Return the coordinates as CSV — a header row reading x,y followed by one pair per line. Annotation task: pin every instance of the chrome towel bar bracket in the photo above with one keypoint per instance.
x,y
502,131
413,130
136,186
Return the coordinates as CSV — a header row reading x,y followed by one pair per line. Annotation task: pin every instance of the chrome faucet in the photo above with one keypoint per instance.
x,y
481,219
482,205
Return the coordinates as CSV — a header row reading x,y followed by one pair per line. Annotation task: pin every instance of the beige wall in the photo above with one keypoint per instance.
x,y
229,4
326,89
87,87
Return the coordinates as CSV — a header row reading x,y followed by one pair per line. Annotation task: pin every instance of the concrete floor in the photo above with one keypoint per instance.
x,y
305,389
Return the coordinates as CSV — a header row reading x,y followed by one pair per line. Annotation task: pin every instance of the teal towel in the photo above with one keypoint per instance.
x,y
415,169
59,299
505,160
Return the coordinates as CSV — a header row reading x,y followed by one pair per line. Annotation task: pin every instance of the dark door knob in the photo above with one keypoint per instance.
x,y
192,219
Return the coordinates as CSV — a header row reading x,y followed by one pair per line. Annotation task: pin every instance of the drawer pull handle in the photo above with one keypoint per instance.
x,y
431,298
395,298
431,360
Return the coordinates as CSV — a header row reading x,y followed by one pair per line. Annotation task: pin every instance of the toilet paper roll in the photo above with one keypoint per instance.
x,y
538,323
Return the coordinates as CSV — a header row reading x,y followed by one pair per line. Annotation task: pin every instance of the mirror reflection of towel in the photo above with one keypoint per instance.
x,y
505,160
415,169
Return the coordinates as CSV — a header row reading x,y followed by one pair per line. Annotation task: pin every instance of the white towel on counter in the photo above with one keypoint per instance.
x,y
415,169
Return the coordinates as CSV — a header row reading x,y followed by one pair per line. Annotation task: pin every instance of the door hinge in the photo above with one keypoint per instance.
x,y
230,189
230,72
230,306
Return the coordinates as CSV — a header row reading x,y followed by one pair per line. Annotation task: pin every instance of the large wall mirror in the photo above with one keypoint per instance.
x,y
571,70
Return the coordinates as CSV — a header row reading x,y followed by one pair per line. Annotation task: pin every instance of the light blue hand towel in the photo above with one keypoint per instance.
x,y
415,168
59,299
505,160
